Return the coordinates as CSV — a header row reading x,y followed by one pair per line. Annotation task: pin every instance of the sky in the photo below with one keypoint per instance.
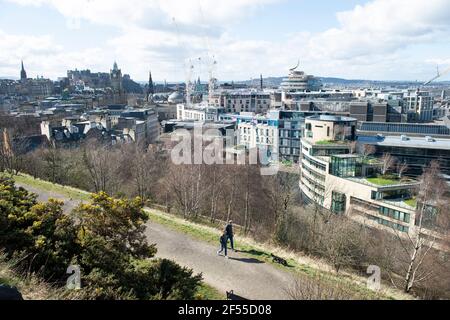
x,y
232,40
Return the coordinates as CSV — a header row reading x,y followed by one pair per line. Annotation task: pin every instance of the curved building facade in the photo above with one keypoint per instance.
x,y
344,182
298,81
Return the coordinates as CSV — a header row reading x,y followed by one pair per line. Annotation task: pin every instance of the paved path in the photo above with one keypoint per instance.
x,y
248,277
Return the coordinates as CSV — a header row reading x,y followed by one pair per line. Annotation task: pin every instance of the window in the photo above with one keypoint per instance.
x,y
338,202
395,214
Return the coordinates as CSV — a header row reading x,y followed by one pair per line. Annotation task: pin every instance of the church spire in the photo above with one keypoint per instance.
x,y
151,89
23,73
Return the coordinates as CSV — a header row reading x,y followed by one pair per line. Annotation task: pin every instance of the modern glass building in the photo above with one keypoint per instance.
x,y
416,152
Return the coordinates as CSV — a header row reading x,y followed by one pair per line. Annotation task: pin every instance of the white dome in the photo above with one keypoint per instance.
x,y
176,97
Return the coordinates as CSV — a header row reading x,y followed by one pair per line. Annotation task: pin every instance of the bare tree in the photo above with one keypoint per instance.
x,y
101,164
431,203
366,150
216,179
53,164
401,168
352,146
318,288
387,162
186,184
342,243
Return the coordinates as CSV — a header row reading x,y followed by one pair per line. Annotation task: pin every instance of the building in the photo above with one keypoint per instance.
x,y
199,112
298,81
111,125
396,128
420,105
416,151
290,126
256,131
235,101
23,74
346,183
116,79
330,100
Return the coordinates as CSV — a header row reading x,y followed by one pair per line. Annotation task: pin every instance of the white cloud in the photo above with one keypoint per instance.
x,y
140,12
375,40
43,56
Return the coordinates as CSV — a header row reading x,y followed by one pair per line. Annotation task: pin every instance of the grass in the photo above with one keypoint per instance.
x,y
207,292
411,202
262,252
326,142
31,287
382,181
203,230
69,192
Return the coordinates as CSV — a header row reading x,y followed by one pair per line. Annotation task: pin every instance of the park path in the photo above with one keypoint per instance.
x,y
247,277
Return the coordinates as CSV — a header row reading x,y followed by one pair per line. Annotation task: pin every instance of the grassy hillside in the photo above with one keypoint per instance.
x,y
300,265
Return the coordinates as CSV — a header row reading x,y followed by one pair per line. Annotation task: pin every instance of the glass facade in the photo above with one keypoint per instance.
x,y
326,152
395,214
346,166
390,224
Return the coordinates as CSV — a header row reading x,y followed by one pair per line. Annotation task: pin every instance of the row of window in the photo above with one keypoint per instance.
x,y
315,184
289,142
398,215
313,173
390,224
258,131
293,151
316,196
315,163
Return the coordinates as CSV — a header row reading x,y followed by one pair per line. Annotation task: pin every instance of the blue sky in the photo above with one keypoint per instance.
x,y
376,39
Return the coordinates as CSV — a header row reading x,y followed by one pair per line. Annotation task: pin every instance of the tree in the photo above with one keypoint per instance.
x,y
366,150
53,164
319,288
147,167
401,168
387,162
342,243
101,164
353,146
431,203
114,253
185,182
39,232
280,191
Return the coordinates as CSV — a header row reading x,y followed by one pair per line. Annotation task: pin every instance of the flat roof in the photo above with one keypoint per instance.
x,y
324,117
410,142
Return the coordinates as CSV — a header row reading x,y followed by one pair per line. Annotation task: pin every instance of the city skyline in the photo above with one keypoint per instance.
x,y
353,39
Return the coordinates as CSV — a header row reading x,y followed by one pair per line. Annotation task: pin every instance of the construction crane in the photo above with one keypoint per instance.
x,y
437,76
446,119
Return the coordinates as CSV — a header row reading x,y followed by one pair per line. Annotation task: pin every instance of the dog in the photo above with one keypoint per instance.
x,y
232,296
279,260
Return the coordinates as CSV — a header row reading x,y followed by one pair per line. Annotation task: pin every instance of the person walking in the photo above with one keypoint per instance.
x,y
223,244
229,233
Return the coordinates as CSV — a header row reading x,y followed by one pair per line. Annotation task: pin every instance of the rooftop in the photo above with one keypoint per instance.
x,y
406,141
324,117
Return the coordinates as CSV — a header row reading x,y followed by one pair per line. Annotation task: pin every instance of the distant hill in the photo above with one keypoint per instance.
x,y
332,81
